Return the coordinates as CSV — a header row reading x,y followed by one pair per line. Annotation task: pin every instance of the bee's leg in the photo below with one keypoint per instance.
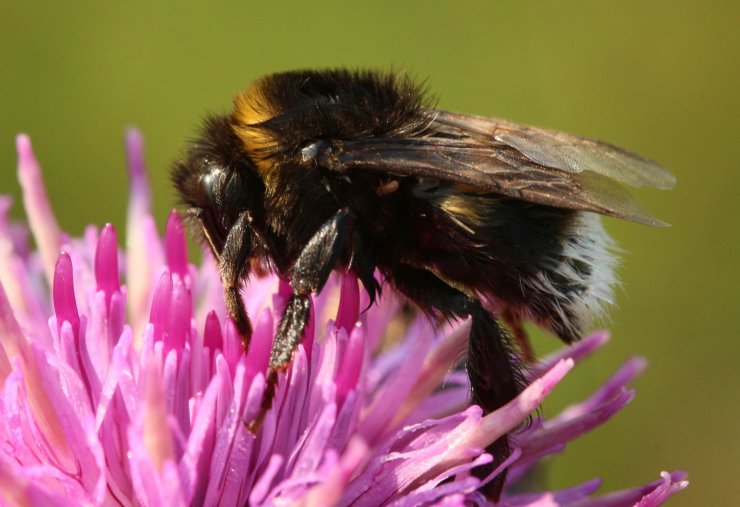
x,y
495,378
363,265
521,337
233,265
309,274
290,332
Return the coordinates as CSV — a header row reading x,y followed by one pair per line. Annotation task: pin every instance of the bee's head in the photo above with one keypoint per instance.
x,y
276,130
216,181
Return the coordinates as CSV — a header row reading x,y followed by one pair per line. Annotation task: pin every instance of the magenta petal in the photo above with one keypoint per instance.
x,y
196,459
436,371
429,446
69,402
349,303
579,419
264,484
212,333
292,399
5,367
19,488
110,384
312,448
225,427
569,496
548,438
577,352
330,490
180,316
394,391
669,486
181,407
351,364
12,341
159,315
260,346
233,348
106,263
650,495
577,493
65,305
442,487
510,415
613,388
137,169
141,262
41,218
175,247
157,437
231,451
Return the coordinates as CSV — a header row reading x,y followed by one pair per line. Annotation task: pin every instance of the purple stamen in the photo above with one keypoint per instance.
x,y
65,305
175,247
106,263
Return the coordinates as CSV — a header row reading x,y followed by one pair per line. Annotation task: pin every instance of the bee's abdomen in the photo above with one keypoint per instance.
x,y
572,288
535,263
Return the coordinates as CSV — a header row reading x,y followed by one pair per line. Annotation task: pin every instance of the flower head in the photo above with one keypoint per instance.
x,y
122,382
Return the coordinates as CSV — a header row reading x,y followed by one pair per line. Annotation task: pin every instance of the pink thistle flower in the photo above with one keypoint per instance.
x,y
137,393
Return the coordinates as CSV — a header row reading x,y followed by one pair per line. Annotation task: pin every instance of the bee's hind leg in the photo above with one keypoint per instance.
x,y
492,365
521,337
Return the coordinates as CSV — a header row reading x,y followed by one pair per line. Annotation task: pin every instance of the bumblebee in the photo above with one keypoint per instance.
x,y
467,216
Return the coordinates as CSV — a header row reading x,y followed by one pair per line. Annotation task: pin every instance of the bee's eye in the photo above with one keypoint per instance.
x,y
211,183
208,183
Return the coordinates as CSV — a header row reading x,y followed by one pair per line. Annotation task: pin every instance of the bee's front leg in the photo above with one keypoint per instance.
x,y
309,274
233,265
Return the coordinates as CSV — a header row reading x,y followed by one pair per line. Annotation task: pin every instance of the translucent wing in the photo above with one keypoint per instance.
x,y
527,163
559,150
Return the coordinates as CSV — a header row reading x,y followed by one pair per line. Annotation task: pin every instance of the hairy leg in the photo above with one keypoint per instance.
x,y
310,272
492,364
233,265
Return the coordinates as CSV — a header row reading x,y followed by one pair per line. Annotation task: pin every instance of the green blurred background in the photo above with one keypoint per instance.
x,y
662,78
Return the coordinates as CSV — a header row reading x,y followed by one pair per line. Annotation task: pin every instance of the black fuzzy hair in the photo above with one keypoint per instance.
x,y
342,104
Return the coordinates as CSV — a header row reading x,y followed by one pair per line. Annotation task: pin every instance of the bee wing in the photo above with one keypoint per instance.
x,y
559,150
459,149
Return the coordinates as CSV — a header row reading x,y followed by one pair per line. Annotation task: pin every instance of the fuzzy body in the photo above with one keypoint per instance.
x,y
530,261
